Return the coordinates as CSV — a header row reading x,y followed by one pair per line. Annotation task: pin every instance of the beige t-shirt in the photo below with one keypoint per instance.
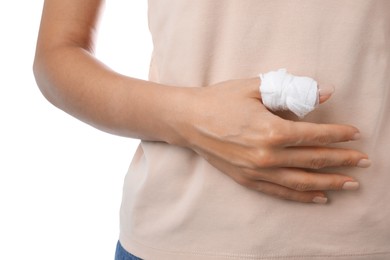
x,y
177,206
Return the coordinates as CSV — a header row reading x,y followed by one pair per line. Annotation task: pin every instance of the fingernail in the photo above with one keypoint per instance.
x,y
351,185
320,200
364,163
326,90
356,136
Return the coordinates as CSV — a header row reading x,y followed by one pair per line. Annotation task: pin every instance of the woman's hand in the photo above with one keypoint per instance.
x,y
235,133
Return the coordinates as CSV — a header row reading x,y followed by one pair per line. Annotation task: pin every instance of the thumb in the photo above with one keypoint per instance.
x,y
325,92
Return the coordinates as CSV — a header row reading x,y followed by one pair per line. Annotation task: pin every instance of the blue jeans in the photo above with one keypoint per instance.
x,y
122,254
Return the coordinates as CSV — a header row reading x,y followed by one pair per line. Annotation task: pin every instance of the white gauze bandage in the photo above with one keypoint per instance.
x,y
282,91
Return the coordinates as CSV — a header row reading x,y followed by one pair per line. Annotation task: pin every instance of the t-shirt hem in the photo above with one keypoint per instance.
x,y
150,253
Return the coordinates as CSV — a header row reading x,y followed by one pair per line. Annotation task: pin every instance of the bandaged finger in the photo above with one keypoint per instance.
x,y
283,91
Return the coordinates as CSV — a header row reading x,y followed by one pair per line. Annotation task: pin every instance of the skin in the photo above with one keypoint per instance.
x,y
256,148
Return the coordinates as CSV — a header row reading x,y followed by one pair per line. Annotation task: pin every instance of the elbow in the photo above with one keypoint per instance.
x,y
41,75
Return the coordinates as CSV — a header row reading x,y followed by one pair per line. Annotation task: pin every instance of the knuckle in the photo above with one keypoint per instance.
x,y
264,159
272,134
249,174
275,137
323,139
336,185
303,186
348,162
318,163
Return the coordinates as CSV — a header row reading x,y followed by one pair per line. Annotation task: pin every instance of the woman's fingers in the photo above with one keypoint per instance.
x,y
312,134
320,157
289,194
286,183
301,180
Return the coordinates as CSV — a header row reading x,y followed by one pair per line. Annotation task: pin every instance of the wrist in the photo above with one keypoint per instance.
x,y
180,115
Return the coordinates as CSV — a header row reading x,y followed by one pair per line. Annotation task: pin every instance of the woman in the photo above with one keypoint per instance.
x,y
217,175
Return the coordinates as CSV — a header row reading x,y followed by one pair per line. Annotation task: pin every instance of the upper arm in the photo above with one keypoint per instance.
x,y
68,23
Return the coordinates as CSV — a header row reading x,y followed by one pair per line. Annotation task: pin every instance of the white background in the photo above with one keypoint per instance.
x,y
61,179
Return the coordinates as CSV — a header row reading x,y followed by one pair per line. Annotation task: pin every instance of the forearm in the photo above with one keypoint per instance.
x,y
74,81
